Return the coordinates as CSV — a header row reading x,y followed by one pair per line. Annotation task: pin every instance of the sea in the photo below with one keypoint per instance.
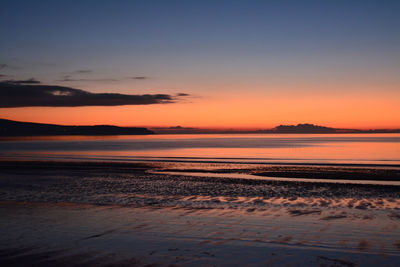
x,y
334,149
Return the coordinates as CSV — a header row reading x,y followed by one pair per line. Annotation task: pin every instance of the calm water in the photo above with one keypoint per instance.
x,y
383,149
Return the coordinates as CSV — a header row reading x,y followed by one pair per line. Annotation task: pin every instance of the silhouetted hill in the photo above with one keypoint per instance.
x,y
304,128
312,128
17,128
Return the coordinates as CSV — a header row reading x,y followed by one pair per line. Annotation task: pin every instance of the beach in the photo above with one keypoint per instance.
x,y
158,214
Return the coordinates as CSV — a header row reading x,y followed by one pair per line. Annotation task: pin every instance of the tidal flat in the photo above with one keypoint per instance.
x,y
134,214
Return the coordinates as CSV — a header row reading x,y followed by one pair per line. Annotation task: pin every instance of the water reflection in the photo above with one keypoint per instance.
x,y
313,148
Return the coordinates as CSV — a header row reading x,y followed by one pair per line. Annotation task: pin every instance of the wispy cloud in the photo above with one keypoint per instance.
x,y
27,93
139,78
27,81
8,66
69,78
83,71
84,75
182,94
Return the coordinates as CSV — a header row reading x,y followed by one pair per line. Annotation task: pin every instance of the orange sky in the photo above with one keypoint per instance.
x,y
252,110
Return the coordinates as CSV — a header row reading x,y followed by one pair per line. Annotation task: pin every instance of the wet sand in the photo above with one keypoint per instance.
x,y
65,234
114,214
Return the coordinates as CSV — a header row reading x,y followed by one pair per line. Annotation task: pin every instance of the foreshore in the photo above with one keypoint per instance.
x,y
124,214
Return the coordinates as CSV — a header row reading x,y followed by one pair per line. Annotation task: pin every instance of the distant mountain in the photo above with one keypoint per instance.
x,y
312,128
17,128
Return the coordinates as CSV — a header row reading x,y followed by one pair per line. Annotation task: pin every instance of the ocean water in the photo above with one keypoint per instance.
x,y
368,149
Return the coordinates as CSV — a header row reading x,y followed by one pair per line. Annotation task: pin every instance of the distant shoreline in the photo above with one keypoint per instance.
x,y
10,128
43,136
16,128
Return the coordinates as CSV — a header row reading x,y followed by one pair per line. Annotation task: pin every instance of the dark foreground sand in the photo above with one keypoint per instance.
x,y
80,214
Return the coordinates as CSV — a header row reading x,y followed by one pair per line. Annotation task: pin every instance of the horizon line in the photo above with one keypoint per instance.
x,y
213,128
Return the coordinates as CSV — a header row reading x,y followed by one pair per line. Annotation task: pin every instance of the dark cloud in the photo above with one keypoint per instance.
x,y
27,81
69,78
7,66
139,78
83,71
3,75
33,95
182,94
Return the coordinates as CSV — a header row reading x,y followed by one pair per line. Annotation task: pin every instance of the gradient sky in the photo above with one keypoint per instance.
x,y
245,64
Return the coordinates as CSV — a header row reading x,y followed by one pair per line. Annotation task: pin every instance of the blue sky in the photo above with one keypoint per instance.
x,y
204,48
163,38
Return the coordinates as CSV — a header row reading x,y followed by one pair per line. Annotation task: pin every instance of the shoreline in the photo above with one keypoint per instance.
x,y
145,184
161,160
309,171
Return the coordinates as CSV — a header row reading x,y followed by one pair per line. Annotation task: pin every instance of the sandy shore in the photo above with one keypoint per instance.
x,y
117,214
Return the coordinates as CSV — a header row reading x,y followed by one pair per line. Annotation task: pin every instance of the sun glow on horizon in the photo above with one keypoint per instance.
x,y
246,112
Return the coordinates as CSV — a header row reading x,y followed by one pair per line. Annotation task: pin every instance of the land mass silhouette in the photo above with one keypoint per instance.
x,y
312,128
302,128
17,128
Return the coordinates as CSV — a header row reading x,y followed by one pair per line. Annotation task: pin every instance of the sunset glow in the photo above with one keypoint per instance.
x,y
247,112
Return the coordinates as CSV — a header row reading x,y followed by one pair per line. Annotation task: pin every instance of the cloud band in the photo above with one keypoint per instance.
x,y
15,94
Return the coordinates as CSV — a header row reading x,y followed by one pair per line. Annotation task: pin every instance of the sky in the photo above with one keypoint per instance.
x,y
208,64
